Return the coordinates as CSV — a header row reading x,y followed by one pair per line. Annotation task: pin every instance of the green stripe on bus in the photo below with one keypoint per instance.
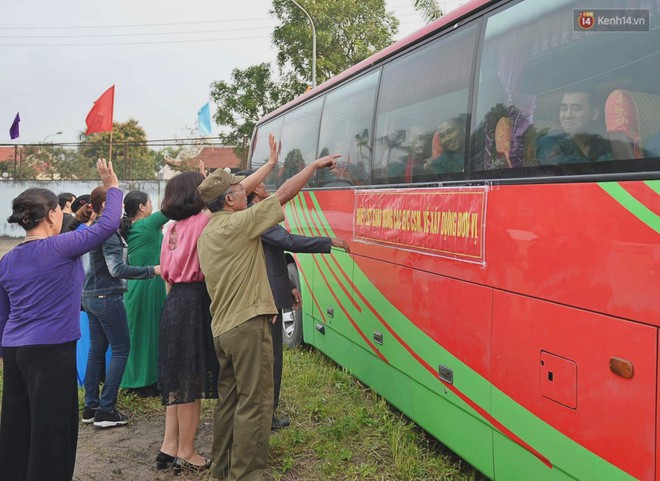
x,y
654,185
635,207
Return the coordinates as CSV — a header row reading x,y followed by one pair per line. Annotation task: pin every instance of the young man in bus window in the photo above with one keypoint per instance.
x,y
451,134
577,141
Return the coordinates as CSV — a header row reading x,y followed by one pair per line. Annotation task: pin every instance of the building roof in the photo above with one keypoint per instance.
x,y
218,157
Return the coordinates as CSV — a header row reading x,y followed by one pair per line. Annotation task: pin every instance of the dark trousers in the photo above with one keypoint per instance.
x,y
39,423
276,333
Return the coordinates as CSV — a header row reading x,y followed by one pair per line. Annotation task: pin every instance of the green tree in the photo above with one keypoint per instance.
x,y
347,32
61,163
131,157
429,9
249,95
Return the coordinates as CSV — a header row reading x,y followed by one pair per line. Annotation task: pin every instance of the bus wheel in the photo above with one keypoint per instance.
x,y
292,334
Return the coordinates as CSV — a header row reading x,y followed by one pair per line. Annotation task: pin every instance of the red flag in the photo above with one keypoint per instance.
x,y
99,119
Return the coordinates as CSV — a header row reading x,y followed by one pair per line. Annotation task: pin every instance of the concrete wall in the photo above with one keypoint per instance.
x,y
10,189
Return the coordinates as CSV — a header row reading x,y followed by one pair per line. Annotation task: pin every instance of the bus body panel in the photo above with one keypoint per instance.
x,y
533,342
428,320
542,239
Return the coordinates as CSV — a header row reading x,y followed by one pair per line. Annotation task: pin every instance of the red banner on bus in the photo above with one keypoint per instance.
x,y
448,222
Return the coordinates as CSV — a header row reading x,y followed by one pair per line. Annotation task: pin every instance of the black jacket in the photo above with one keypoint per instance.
x,y
275,241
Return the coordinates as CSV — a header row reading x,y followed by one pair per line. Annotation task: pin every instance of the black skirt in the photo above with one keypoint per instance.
x,y
187,364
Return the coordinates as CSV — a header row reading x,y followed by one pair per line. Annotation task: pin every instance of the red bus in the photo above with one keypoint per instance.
x,y
500,188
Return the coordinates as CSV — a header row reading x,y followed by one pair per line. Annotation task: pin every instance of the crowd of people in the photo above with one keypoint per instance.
x,y
188,299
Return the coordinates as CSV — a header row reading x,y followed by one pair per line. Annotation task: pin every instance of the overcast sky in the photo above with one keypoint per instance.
x,y
60,56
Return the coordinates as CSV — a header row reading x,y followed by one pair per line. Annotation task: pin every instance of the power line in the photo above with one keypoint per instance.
x,y
138,25
128,43
133,34
159,42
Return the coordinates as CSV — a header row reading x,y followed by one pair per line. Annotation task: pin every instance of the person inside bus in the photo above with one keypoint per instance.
x,y
451,135
652,147
577,141
293,163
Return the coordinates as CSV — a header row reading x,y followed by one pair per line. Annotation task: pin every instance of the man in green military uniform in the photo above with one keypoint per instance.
x,y
232,259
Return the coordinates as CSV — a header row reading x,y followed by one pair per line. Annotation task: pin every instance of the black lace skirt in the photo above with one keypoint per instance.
x,y
187,364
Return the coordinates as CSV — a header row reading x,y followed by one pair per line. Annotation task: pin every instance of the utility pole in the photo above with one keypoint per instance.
x,y
313,43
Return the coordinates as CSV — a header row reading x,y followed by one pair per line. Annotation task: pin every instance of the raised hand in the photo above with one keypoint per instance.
x,y
327,162
274,147
107,174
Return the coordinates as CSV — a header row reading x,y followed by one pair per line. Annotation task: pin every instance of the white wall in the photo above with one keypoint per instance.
x,y
10,189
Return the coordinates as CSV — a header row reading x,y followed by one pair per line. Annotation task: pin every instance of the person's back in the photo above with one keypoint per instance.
x,y
40,284
105,284
56,277
144,299
232,259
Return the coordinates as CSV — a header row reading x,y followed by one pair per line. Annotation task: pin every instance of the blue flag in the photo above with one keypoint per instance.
x,y
204,119
13,130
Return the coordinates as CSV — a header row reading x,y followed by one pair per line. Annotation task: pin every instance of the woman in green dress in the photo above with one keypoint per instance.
x,y
144,300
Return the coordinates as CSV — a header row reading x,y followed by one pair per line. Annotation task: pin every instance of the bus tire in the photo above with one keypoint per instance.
x,y
292,328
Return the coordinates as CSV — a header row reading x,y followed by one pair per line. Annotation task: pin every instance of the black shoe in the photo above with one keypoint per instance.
x,y
109,420
181,465
164,461
279,423
88,414
144,392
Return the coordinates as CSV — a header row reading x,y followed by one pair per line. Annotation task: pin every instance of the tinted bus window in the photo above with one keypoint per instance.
x,y
556,98
422,111
299,138
346,130
261,149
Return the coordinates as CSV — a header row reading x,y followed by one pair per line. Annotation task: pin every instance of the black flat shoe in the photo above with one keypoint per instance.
x,y
164,461
181,465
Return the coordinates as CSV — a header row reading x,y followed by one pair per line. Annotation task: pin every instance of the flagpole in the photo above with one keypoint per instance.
x,y
110,155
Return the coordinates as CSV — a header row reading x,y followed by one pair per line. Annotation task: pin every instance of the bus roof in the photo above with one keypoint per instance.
x,y
431,28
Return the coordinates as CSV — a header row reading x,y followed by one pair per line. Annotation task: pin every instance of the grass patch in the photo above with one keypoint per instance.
x,y
342,430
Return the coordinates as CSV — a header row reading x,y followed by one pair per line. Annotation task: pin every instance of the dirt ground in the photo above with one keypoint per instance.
x,y
129,453
126,453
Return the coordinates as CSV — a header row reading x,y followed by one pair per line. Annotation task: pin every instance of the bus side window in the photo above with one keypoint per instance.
x,y
260,149
424,96
299,136
346,130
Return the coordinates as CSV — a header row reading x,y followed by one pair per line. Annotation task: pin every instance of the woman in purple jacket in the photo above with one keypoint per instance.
x,y
40,289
